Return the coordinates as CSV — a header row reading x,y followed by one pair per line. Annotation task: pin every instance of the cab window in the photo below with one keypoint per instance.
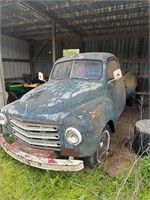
x,y
112,66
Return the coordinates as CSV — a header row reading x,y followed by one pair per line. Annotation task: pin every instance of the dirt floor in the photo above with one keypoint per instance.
x,y
121,152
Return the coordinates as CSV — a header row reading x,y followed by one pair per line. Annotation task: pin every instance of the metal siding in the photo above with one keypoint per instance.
x,y
45,68
14,48
15,69
125,48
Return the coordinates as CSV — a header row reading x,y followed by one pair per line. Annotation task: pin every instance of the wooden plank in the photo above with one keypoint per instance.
x,y
54,41
40,49
142,93
30,57
26,22
18,14
143,76
110,18
136,61
15,78
42,61
2,86
14,60
68,4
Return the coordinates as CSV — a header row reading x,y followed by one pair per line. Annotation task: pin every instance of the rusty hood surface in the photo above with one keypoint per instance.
x,y
54,100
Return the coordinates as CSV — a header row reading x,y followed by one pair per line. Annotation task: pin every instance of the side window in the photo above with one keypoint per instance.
x,y
112,66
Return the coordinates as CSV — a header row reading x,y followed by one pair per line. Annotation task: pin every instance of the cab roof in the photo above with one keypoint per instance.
x,y
89,56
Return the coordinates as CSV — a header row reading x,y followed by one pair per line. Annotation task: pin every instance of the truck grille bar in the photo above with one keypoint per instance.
x,y
36,135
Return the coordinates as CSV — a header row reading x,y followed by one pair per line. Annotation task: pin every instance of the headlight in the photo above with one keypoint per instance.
x,y
73,136
3,119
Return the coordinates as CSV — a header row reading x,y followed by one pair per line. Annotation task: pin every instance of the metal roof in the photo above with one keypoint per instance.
x,y
33,19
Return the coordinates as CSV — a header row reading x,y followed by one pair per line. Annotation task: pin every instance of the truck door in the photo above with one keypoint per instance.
x,y
116,87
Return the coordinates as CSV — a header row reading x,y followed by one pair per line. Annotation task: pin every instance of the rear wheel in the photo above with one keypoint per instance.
x,y
103,146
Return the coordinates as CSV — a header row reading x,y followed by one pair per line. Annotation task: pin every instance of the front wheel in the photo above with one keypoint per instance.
x,y
103,146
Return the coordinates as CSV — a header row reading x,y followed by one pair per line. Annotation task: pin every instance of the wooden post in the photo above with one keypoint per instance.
x,y
3,99
53,41
81,45
30,58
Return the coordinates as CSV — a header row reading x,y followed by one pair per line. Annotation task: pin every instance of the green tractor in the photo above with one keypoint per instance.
x,y
16,90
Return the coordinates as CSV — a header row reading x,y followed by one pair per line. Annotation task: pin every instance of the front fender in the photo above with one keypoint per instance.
x,y
90,119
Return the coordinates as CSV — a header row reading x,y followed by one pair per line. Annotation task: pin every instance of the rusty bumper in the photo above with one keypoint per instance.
x,y
42,159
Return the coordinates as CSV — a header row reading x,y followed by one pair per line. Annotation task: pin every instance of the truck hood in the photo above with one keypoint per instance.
x,y
54,100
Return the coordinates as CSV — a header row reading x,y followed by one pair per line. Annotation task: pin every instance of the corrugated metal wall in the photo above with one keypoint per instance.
x,y
15,69
12,48
46,54
128,50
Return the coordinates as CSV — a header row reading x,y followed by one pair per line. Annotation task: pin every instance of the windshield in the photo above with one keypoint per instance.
x,y
82,69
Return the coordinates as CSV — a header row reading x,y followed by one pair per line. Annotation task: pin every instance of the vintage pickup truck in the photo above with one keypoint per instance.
x,y
66,122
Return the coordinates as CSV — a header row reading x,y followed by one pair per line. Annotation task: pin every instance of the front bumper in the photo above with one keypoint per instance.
x,y
42,159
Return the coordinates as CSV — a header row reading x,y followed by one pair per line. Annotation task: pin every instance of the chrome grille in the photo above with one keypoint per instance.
x,y
36,135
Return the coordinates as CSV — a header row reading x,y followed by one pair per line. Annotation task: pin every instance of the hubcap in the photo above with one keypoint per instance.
x,y
103,145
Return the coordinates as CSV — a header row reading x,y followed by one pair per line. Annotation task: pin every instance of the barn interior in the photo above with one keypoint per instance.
x,y
34,34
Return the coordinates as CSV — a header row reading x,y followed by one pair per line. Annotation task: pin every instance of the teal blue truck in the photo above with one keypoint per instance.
x,y
66,123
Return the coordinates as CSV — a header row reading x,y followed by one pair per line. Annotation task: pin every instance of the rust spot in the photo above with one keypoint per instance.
x,y
69,152
52,161
95,113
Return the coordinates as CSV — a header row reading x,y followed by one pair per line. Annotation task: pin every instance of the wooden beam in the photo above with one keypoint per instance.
x,y
121,24
136,61
68,4
110,18
42,61
26,22
14,60
143,93
8,3
15,78
18,14
40,49
116,36
27,29
2,86
143,76
30,57
54,41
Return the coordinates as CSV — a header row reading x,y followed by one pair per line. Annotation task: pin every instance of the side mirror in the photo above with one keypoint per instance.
x,y
117,75
40,76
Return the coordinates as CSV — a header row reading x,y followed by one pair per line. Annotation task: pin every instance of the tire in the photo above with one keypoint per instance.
x,y
93,160
141,142
11,97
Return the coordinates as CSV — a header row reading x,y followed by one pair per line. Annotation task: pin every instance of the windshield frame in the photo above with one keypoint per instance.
x,y
71,69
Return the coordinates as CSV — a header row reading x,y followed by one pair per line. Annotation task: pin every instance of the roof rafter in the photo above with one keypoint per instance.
x,y
25,22
119,24
68,4
111,18
18,14
105,10
53,16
